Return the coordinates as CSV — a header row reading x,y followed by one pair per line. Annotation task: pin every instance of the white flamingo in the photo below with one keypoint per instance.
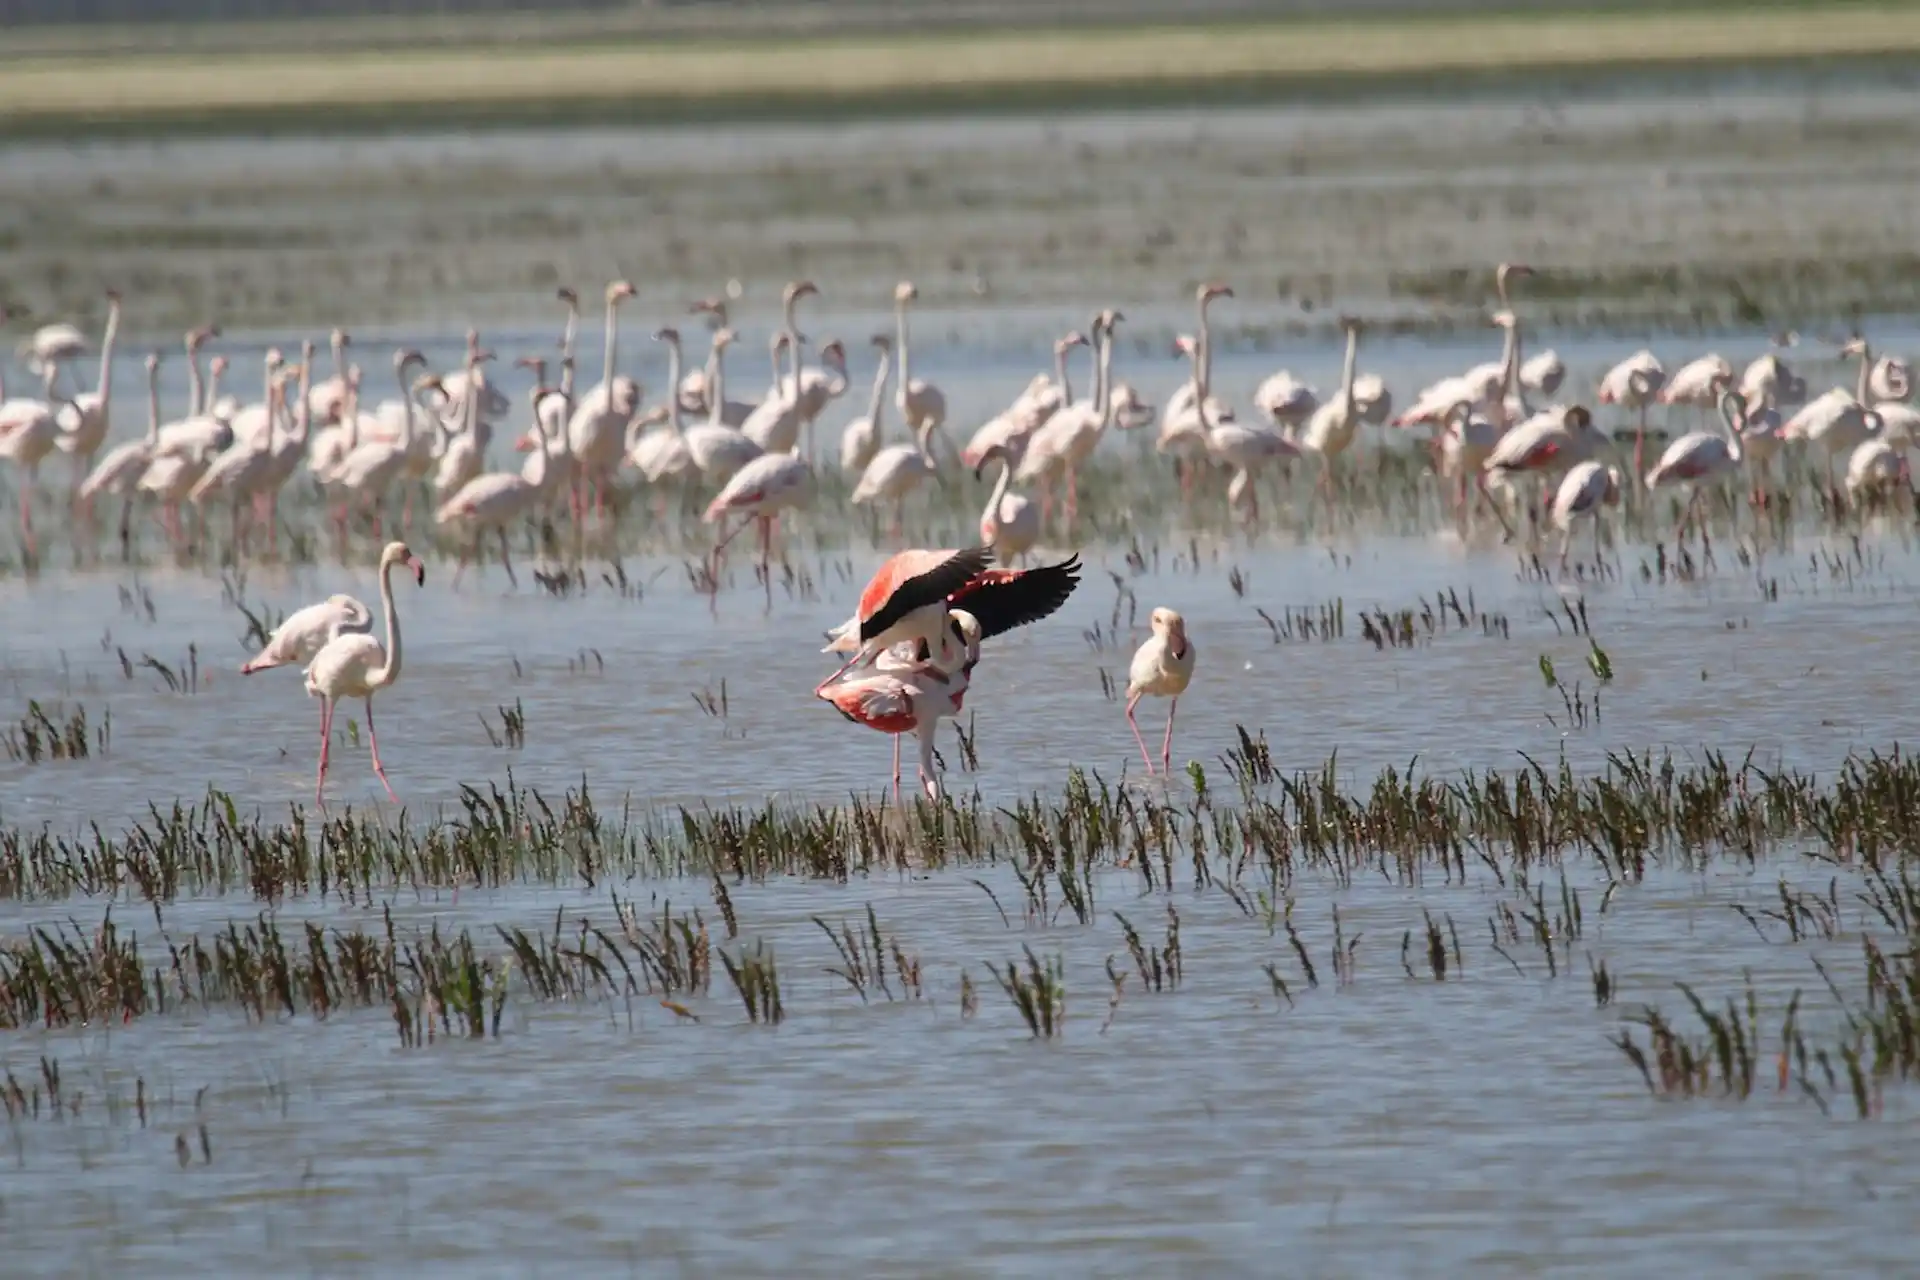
x,y
919,401
1585,491
50,347
1635,383
1330,431
29,431
716,450
895,472
354,665
1071,435
120,470
1010,524
1184,402
774,425
861,438
1043,397
1699,458
305,632
1698,382
370,471
597,432
496,499
1769,382
1161,668
86,419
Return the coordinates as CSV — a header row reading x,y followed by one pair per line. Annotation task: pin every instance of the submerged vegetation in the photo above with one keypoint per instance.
x,y
1540,842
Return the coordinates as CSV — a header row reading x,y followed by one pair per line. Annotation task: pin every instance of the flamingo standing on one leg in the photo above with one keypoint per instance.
x,y
1162,668
354,665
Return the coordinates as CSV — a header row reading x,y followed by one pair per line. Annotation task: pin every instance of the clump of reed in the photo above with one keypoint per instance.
x,y
864,955
756,978
1038,993
38,736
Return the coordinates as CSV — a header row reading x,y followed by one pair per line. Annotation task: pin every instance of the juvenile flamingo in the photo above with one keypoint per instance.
x,y
1161,668
1699,457
1584,492
1010,524
353,665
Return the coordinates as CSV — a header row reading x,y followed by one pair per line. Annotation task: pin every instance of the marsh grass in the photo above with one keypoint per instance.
x,y
1038,993
756,978
864,954
37,736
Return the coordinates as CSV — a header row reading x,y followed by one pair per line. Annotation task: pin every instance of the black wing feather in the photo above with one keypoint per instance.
x,y
931,587
1001,605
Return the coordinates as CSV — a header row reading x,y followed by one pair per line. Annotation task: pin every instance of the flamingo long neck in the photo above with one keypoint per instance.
x,y
196,390
1733,415
877,402
389,671
1347,370
153,406
716,391
106,352
267,400
607,350
339,374
406,405
793,361
1206,342
1102,378
212,392
923,441
673,388
1060,372
567,338
1865,392
303,416
1200,385
900,341
1000,487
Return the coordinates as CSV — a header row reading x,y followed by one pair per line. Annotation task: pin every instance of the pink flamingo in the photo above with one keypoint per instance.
x,y
906,696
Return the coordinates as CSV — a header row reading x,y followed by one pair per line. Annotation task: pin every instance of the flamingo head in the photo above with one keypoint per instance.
x,y
799,289
274,359
568,294
1211,290
217,365
1170,624
619,291
153,361
882,342
406,356
401,553
834,354
197,338
1184,345
1854,346
339,338
1068,343
906,291
1578,418
1504,319
668,335
1612,496
723,337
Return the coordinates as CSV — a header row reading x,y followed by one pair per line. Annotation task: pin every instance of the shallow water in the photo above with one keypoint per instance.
x,y
1392,1127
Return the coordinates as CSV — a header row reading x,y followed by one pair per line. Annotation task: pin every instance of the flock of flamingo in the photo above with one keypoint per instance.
x,y
1489,441
916,637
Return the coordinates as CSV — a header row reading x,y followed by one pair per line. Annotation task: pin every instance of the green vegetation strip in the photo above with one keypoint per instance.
x,y
292,87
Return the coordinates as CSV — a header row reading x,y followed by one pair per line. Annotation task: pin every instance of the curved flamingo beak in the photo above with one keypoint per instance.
x,y
419,571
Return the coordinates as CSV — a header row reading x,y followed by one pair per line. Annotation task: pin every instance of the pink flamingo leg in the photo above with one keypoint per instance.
x,y
1166,747
1133,724
1073,495
373,741
326,738
896,771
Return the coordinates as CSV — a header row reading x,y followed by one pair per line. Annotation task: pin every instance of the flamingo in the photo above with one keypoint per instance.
x,y
1546,443
353,665
85,419
1634,383
1698,457
658,455
371,469
1010,524
1544,373
1161,668
463,455
912,698
906,600
29,431
1875,465
1071,435
1330,431
820,386
1183,428
1485,386
497,498
1698,382
1184,401
697,385
1131,412
1468,438
239,469
1031,409
919,401
895,472
1768,382
861,438
1243,446
597,432
767,486
49,347
1761,433
120,471
716,450
1585,490
304,632
285,453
